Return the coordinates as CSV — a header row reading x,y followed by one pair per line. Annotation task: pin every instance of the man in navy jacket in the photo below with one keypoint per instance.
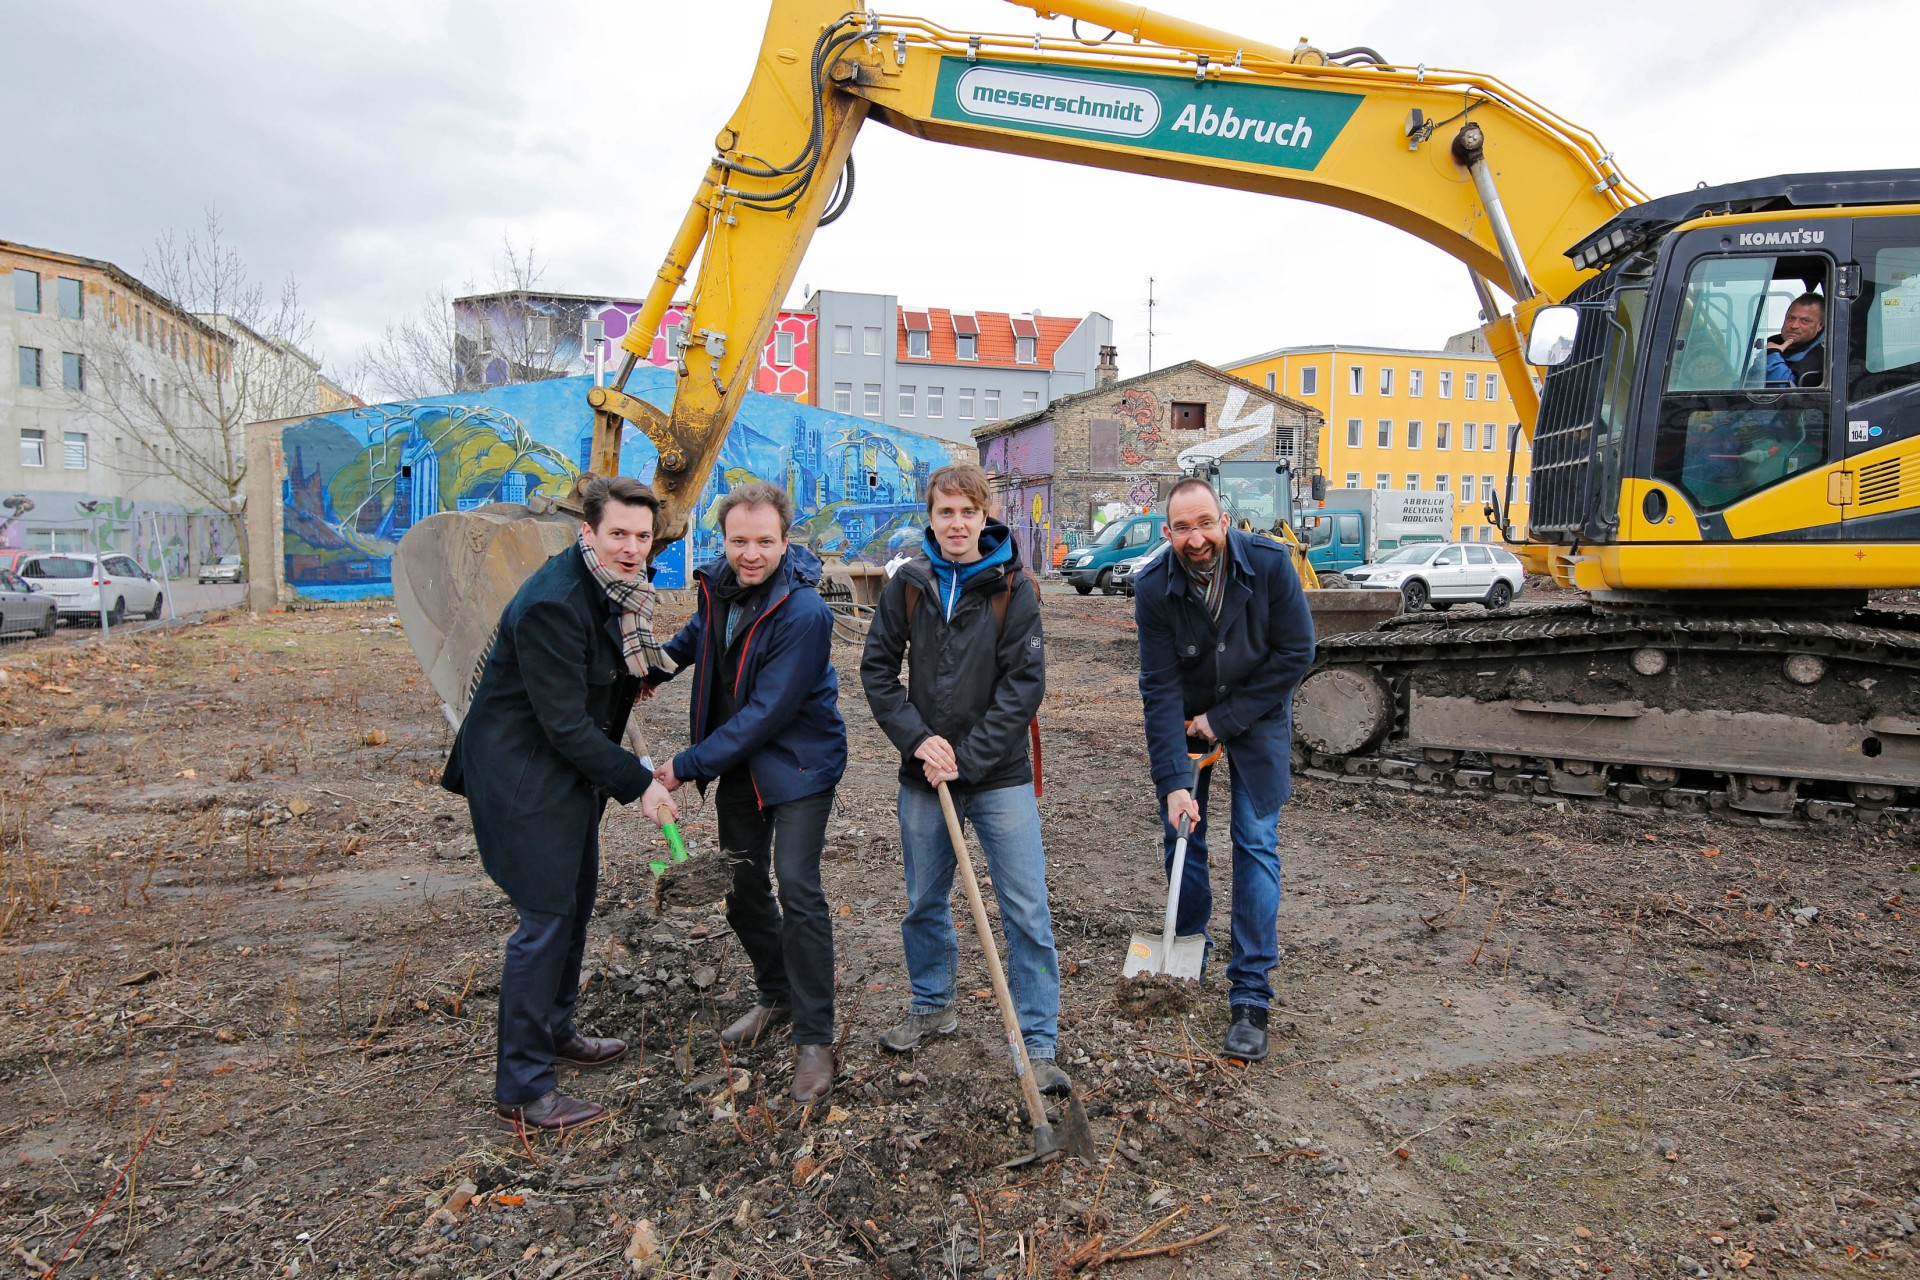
x,y
765,724
1225,637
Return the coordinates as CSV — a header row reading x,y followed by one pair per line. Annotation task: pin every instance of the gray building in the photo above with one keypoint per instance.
x,y
942,372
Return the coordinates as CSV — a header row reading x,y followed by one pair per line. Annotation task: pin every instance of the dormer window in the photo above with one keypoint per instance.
x,y
1026,340
919,334
966,337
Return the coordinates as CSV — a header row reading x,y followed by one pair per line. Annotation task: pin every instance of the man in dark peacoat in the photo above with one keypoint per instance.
x,y
537,756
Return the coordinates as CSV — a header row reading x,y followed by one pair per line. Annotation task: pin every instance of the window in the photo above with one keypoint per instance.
x,y
1354,427
1529,490
1103,444
1356,380
29,366
33,448
1519,441
966,346
26,290
1487,436
1479,555
1383,433
908,392
917,340
73,371
676,340
1386,381
72,299
1310,381
1413,435
1486,489
1381,480
1024,351
539,335
966,403
74,451
782,348
1189,416
1029,401
1353,479
1272,379
870,340
1469,436
1413,481
1446,384
1466,488
870,400
1473,386
843,339
935,397
1466,533
1493,386
1486,533
1443,435
843,397
1442,483
1416,381
990,405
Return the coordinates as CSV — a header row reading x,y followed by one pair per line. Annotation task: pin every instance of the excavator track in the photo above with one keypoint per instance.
x,y
1810,718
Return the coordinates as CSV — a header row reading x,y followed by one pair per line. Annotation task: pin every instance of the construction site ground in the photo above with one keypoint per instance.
x,y
251,963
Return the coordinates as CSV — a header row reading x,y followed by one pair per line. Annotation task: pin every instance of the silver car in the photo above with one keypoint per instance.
x,y
1123,573
1443,574
225,569
24,609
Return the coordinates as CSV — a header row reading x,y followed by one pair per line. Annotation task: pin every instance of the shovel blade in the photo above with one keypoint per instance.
x,y
1145,954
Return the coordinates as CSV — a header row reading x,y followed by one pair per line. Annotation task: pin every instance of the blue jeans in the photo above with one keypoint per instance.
x,y
1007,822
1256,891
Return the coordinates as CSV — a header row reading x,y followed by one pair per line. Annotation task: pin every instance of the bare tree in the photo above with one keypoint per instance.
x,y
505,335
187,367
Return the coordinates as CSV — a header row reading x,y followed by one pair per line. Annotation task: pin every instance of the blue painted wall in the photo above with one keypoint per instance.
x,y
358,479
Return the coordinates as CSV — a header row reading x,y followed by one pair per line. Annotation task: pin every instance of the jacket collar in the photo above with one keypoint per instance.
x,y
1239,566
799,567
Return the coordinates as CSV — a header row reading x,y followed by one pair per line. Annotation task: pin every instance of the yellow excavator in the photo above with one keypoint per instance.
x,y
1724,498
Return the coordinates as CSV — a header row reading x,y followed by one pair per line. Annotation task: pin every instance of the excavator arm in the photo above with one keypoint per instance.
x,y
1455,158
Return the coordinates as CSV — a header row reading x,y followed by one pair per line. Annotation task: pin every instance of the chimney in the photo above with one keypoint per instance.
x,y
1107,371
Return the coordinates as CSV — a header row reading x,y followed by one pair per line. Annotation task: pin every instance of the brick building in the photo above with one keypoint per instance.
x,y
1062,470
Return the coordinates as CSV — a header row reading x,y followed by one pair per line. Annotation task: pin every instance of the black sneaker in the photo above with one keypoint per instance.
x,y
1247,1035
1049,1078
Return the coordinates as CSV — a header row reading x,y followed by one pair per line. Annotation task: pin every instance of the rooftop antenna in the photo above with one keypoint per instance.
x,y
1151,304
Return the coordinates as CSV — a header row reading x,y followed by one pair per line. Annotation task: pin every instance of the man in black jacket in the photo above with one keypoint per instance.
x,y
537,756
968,617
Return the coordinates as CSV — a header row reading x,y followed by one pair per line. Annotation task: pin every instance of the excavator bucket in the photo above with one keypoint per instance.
x,y
453,574
1339,610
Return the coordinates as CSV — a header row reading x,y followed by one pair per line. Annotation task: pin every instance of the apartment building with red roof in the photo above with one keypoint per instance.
x,y
945,372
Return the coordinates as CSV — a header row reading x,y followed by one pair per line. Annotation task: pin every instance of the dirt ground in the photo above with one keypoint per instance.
x,y
250,968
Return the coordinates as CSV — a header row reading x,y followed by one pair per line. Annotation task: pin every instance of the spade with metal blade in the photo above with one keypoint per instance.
x,y
1075,1137
1165,954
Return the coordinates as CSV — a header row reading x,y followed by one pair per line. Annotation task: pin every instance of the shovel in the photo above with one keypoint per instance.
x,y
1175,957
1077,1139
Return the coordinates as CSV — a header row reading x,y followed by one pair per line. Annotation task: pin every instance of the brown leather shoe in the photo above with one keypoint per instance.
x,y
588,1051
552,1110
812,1071
755,1023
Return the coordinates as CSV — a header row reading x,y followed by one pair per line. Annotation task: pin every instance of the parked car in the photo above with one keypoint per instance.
x,y
1444,574
225,569
24,609
1124,571
82,584
1124,538
10,557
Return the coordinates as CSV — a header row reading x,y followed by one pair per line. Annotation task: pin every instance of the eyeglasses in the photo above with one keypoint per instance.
x,y
1207,525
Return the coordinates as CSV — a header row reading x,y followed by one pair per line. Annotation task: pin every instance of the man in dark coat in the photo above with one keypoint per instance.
x,y
765,724
965,619
1225,637
537,757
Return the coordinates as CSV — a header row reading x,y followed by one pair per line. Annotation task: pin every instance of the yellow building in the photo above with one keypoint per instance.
x,y
1434,421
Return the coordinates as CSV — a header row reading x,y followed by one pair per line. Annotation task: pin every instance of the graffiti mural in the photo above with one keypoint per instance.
x,y
1140,419
359,478
527,338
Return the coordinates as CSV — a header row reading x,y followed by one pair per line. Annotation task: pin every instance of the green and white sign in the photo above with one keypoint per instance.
x,y
1252,123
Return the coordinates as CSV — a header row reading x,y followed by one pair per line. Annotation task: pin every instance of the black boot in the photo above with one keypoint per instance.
x,y
1247,1035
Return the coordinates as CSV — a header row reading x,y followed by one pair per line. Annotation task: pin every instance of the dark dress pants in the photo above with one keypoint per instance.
x,y
539,984
789,940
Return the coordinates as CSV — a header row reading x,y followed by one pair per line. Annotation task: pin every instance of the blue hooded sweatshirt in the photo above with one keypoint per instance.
x,y
996,545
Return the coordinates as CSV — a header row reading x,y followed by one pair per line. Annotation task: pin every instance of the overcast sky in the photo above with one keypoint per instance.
x,y
377,149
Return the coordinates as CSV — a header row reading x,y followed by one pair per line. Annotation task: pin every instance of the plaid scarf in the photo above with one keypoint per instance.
x,y
1212,582
633,601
